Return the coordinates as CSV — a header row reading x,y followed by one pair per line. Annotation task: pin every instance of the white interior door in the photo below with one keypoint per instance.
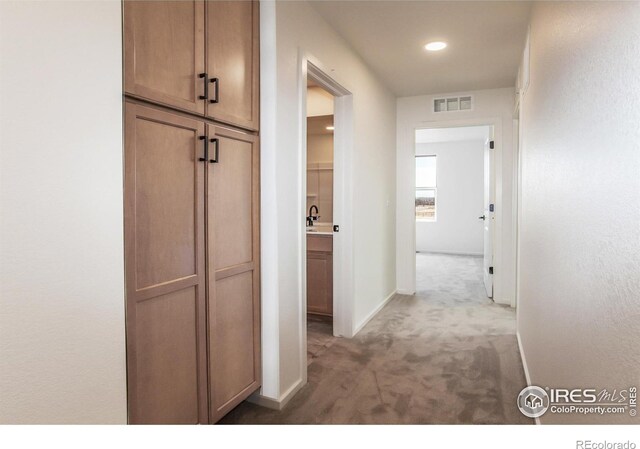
x,y
488,215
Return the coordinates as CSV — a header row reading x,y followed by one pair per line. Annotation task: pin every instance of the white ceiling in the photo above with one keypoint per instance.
x,y
452,134
485,41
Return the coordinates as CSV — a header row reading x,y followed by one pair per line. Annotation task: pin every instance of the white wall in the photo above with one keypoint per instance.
x,y
319,102
459,202
580,226
298,28
491,107
62,349
320,174
319,148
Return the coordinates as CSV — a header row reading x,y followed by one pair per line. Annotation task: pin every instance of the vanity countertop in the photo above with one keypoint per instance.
x,y
320,229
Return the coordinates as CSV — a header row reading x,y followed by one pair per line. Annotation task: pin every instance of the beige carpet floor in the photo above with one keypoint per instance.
x,y
447,355
319,336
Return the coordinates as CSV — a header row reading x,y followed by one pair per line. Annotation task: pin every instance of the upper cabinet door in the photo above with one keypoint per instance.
x,y
164,53
233,45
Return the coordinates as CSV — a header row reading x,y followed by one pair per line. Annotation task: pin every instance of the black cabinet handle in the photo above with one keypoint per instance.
x,y
216,151
206,149
216,90
206,87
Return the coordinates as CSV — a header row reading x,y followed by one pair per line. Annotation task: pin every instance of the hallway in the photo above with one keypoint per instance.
x,y
446,355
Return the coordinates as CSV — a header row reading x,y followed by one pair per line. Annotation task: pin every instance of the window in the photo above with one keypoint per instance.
x,y
426,188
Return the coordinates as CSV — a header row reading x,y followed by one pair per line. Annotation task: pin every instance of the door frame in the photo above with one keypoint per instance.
x,y
496,123
343,300
490,185
517,194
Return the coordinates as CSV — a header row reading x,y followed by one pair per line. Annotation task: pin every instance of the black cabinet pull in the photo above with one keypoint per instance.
x,y
206,87
216,151
206,149
216,91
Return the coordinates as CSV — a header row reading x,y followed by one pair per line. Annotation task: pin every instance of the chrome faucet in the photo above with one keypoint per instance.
x,y
311,218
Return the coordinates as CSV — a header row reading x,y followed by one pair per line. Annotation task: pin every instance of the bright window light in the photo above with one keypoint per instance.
x,y
426,188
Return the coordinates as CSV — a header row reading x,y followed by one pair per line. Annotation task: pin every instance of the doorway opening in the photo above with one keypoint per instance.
x,y
319,219
326,231
455,209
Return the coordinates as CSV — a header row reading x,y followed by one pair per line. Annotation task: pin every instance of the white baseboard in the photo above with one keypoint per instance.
x,y
406,292
524,365
452,253
501,301
373,313
276,404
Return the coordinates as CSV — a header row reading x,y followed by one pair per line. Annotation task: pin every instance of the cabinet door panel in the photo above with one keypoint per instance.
x,y
164,52
165,267
233,58
319,283
233,259
232,185
232,367
166,341
164,220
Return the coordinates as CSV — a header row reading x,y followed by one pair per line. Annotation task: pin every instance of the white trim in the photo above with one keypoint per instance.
x,y
517,204
277,404
301,233
526,64
405,292
343,260
524,360
374,312
452,253
269,285
524,365
343,299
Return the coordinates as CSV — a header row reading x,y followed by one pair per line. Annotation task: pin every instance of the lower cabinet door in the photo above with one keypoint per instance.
x,y
165,267
233,272
320,283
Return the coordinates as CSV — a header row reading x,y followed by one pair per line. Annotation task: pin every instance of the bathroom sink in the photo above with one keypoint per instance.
x,y
320,229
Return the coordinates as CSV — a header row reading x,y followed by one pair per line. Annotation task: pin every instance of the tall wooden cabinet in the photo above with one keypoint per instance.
x,y
191,208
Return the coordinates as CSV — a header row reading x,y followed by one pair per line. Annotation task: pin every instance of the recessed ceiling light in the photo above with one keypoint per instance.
x,y
329,128
435,46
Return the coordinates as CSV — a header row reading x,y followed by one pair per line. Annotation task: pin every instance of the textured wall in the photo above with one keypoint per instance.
x,y
62,349
579,301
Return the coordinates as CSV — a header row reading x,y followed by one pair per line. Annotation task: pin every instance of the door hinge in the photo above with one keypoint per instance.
x,y
492,144
490,270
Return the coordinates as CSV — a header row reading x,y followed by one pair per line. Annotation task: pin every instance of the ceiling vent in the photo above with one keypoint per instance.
x,y
452,104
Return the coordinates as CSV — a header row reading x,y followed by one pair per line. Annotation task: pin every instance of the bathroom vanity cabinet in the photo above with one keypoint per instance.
x,y
320,274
